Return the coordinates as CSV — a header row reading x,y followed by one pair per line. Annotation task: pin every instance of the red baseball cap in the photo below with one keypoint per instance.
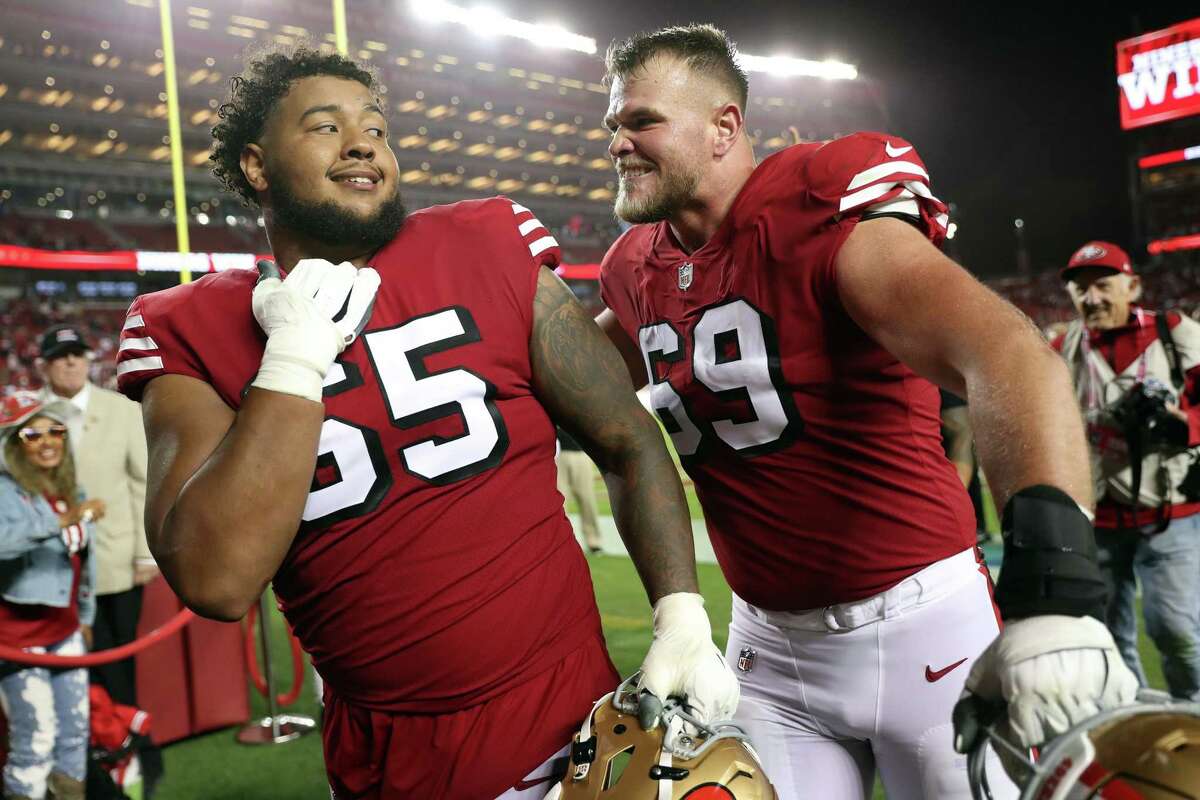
x,y
1098,254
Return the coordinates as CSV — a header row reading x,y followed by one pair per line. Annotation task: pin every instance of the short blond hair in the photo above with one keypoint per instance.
x,y
706,49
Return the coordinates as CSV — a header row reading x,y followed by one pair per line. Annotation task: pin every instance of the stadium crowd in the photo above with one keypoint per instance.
x,y
24,319
1040,297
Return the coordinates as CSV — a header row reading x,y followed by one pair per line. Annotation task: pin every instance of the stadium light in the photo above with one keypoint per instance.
x,y
487,21
787,67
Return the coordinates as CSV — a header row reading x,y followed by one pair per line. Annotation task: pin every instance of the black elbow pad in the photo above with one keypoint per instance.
x,y
1049,558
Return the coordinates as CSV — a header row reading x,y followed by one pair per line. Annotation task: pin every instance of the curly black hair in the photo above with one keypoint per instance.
x,y
253,95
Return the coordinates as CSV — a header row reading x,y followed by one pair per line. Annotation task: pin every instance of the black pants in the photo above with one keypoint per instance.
x,y
116,624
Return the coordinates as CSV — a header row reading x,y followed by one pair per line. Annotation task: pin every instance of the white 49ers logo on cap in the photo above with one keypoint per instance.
x,y
1090,252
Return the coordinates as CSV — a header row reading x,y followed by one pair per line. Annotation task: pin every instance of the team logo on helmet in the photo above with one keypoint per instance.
x,y
710,791
685,275
614,758
1090,252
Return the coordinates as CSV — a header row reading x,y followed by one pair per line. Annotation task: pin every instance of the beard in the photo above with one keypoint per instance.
x,y
332,224
676,190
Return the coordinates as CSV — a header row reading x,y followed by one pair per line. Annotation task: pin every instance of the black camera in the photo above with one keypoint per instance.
x,y
1142,413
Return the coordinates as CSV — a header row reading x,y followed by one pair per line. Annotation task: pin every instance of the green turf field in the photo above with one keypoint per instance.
x,y
214,767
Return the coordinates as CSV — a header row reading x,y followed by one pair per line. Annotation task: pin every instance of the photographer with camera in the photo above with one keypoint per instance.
x,y
1137,375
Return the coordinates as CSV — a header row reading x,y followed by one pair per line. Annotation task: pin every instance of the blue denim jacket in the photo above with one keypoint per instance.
x,y
34,566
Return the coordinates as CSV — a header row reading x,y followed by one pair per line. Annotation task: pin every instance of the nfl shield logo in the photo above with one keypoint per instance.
x,y
685,275
746,657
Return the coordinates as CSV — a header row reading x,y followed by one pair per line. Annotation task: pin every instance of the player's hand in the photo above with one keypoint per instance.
x,y
684,662
309,317
1051,672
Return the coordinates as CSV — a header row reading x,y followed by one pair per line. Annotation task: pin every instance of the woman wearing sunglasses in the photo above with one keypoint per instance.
x,y
46,600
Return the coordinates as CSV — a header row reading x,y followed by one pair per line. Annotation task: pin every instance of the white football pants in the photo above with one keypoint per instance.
x,y
831,695
537,784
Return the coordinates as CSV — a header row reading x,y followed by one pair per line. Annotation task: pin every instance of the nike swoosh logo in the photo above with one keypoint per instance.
x,y
525,783
932,676
894,152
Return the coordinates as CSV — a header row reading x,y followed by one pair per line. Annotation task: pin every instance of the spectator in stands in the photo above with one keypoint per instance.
x,y
22,322
109,445
574,226
47,606
1136,375
577,479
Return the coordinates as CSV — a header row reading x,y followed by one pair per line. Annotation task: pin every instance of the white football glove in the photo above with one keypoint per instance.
x,y
1052,672
684,662
305,323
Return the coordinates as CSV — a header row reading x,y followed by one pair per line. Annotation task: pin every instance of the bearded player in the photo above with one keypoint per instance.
x,y
374,434
792,318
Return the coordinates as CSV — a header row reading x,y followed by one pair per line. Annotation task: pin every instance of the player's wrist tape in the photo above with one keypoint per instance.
x,y
684,610
1049,562
290,373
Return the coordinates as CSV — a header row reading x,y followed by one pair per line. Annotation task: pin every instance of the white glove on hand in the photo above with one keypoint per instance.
x,y
304,321
1052,671
684,662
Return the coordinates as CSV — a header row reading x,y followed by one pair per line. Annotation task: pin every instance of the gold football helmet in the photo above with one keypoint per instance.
x,y
612,758
1144,751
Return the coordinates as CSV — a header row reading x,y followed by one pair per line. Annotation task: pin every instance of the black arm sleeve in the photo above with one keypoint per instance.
x,y
1049,558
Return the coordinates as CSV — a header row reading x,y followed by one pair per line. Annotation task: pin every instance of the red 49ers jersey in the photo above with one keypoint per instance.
x,y
815,453
435,567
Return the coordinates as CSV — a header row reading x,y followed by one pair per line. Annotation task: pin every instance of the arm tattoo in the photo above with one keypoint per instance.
x,y
583,383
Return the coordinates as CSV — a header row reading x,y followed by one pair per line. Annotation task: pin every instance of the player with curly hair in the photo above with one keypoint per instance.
x,y
243,120
374,435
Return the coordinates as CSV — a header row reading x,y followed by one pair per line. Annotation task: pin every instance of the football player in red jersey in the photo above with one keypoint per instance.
x,y
374,434
791,318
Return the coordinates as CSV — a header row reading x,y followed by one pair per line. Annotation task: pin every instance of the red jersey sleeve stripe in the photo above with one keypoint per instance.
x,y
127,365
535,235
886,170
536,248
529,225
897,197
138,351
902,203
869,195
145,343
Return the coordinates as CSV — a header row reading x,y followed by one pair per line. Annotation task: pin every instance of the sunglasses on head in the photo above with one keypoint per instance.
x,y
58,432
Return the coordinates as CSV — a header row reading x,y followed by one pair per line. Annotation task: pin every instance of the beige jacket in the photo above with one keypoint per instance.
x,y
111,466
